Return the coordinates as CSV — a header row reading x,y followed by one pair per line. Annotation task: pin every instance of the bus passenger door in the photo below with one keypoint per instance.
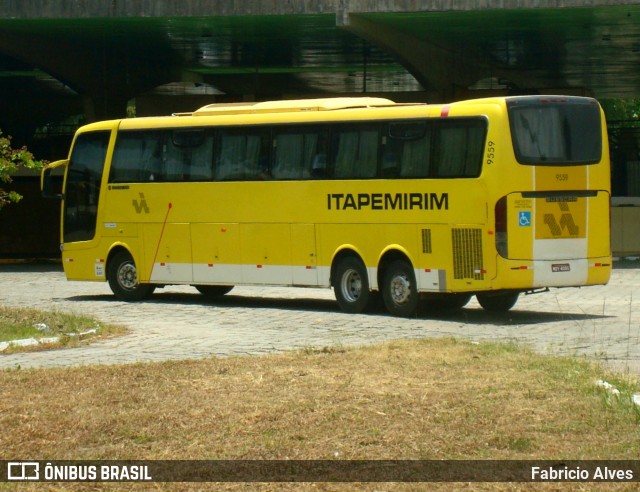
x,y
303,254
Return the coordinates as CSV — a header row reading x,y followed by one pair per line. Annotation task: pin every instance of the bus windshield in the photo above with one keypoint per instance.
x,y
555,131
83,186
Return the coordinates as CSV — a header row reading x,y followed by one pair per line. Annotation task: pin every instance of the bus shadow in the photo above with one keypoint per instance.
x,y
515,317
226,301
469,315
240,301
36,266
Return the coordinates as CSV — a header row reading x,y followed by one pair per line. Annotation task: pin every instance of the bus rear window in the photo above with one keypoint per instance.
x,y
556,131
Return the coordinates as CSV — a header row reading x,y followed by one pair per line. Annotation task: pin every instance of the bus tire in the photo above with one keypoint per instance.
x,y
351,285
399,290
122,275
498,303
214,291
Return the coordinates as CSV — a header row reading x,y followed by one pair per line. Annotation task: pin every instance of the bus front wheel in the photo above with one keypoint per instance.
x,y
351,285
122,275
498,303
399,290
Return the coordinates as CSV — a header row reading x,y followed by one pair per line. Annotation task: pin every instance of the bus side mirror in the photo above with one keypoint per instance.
x,y
48,181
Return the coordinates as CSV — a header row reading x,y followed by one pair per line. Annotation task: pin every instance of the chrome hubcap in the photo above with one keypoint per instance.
x,y
128,276
400,289
351,285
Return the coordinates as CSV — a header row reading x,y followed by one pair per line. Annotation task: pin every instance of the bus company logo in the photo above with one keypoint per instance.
x,y
388,201
23,470
566,222
141,205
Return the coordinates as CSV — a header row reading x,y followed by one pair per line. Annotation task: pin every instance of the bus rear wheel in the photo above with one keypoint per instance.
x,y
122,275
399,290
351,285
498,303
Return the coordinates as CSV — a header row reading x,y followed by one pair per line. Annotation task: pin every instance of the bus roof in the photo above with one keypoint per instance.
x,y
322,104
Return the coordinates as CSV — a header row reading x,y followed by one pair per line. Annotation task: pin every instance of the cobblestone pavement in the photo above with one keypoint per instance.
x,y
600,322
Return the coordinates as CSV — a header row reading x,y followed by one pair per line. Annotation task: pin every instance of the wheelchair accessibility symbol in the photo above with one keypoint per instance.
x,y
524,219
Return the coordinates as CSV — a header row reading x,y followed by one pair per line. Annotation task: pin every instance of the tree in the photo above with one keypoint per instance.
x,y
625,111
11,160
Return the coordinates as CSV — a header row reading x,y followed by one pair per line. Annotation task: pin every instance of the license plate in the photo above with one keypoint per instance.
x,y
561,267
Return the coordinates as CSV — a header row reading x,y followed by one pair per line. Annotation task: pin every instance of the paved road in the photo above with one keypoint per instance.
x,y
600,322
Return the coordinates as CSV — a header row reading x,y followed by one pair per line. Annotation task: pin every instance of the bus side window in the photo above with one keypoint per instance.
x,y
408,150
242,154
459,148
319,168
188,155
136,157
391,158
299,154
416,158
201,160
125,165
356,150
174,166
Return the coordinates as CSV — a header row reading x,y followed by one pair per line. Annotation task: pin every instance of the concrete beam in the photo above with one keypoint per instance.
x,y
444,73
50,9
436,68
105,76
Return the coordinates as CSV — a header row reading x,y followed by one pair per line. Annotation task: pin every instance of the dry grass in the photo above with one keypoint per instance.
x,y
431,399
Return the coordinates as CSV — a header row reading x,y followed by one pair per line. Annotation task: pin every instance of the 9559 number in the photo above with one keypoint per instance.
x,y
491,152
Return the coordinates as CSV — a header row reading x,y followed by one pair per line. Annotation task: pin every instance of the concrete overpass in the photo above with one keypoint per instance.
x,y
66,62
92,57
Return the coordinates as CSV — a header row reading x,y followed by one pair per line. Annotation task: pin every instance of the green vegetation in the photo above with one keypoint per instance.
x,y
622,110
70,329
12,160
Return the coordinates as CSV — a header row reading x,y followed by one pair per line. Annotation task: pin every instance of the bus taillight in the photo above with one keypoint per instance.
x,y
501,227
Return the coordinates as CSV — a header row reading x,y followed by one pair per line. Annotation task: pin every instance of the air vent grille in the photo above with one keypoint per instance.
x,y
426,241
467,254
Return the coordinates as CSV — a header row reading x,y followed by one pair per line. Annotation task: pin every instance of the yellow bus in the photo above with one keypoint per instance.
x,y
415,204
